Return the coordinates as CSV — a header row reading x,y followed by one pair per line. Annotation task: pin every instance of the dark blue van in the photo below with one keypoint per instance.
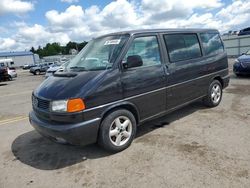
x,y
120,80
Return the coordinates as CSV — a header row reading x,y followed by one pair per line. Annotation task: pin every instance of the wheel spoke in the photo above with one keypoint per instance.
x,y
217,89
217,97
118,123
126,134
213,95
114,132
125,124
118,139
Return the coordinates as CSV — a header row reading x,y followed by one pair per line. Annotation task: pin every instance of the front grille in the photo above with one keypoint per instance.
x,y
40,103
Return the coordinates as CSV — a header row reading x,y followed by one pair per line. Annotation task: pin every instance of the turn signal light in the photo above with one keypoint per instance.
x,y
75,105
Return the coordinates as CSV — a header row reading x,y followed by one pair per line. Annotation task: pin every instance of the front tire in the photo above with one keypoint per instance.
x,y
214,94
117,131
37,72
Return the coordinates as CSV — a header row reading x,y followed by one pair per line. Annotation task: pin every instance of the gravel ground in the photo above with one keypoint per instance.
x,y
192,147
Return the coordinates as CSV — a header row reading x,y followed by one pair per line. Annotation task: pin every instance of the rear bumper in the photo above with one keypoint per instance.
x,y
82,133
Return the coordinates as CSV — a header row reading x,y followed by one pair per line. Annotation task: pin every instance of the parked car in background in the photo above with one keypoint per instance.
x,y
242,64
41,68
121,80
12,72
3,73
54,68
245,31
28,66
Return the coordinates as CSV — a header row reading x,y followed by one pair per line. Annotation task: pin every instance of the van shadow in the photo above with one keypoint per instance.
x,y
34,150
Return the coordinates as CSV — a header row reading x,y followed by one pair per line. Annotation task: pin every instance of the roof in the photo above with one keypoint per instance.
x,y
10,54
132,32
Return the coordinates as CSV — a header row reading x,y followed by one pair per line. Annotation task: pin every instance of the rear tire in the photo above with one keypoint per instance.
x,y
117,131
10,78
214,94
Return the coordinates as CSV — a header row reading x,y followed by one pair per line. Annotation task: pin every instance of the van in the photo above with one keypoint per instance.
x,y
7,62
121,80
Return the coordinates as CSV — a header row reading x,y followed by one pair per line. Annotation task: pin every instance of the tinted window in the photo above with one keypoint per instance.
x,y
147,48
212,43
182,46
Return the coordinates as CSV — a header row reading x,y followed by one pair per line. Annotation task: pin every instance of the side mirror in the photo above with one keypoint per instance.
x,y
133,61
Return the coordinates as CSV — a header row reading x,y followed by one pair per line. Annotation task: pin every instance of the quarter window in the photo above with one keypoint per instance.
x,y
147,48
182,46
212,43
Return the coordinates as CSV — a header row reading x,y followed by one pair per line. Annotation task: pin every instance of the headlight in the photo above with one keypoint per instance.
x,y
59,106
71,105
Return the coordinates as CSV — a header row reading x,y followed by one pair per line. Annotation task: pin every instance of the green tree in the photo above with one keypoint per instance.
x,y
32,49
56,49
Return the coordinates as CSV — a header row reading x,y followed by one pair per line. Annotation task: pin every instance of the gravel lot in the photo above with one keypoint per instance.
x,y
192,147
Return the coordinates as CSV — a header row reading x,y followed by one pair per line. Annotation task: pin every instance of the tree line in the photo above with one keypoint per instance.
x,y
56,49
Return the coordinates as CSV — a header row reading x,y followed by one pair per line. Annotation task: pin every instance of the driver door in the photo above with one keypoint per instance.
x,y
144,86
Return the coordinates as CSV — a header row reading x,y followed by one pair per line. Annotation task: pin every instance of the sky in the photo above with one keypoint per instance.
x,y
27,23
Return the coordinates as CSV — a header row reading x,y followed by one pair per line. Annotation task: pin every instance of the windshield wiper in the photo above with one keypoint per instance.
x,y
78,68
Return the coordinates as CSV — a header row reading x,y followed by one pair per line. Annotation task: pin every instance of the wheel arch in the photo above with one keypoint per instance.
x,y
124,105
219,78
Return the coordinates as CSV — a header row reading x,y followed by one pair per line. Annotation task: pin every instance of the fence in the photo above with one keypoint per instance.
x,y
236,45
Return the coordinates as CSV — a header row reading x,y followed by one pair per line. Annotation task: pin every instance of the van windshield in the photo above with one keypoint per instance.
x,y
98,54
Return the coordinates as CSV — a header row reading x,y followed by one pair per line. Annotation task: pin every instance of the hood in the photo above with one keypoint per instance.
x,y
68,85
244,58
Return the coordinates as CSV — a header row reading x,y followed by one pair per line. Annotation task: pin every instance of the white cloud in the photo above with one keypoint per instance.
x,y
38,34
72,17
70,1
119,14
7,43
15,6
235,15
28,36
78,24
162,10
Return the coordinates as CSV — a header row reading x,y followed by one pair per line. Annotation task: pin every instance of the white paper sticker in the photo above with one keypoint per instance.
x,y
111,42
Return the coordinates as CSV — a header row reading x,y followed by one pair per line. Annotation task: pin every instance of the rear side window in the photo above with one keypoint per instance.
x,y
212,43
182,46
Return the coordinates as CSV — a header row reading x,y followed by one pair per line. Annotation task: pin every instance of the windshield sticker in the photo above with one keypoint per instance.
x,y
111,42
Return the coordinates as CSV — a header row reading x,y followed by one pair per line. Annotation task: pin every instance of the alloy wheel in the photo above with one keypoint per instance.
x,y
120,131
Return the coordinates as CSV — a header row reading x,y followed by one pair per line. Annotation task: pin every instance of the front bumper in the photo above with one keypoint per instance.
x,y
82,133
13,75
239,69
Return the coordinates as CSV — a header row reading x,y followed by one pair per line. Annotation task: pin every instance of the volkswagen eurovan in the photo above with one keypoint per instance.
x,y
120,80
